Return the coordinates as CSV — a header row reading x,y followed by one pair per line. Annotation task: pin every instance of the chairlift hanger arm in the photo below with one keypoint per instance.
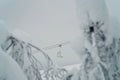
x,y
56,45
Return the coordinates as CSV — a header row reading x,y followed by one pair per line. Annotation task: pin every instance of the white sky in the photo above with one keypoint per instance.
x,y
48,22
114,8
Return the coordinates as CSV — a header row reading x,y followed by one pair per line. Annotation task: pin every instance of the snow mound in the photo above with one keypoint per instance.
x,y
3,32
21,35
9,69
96,9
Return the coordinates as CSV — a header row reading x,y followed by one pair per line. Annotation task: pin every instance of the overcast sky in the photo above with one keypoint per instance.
x,y
113,7
51,16
48,22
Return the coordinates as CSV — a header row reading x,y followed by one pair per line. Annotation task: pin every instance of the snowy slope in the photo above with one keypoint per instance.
x,y
9,69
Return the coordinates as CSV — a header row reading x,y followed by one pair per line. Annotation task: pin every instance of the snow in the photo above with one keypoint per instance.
x,y
96,61
3,32
114,27
21,35
72,67
101,56
96,8
9,69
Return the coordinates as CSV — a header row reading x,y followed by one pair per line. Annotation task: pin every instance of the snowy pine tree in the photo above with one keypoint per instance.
x,y
102,59
100,49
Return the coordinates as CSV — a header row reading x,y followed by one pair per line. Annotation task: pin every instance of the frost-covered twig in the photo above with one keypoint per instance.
x,y
22,53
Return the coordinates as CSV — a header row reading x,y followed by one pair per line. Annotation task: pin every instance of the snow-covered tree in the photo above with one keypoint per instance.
x,y
23,53
9,69
100,48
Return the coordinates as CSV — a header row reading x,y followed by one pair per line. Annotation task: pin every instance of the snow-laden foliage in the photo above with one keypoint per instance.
x,y
9,69
97,10
101,61
100,49
23,53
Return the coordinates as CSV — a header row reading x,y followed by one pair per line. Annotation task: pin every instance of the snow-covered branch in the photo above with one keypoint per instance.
x,y
23,53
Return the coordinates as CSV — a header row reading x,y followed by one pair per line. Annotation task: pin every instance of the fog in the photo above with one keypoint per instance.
x,y
47,22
